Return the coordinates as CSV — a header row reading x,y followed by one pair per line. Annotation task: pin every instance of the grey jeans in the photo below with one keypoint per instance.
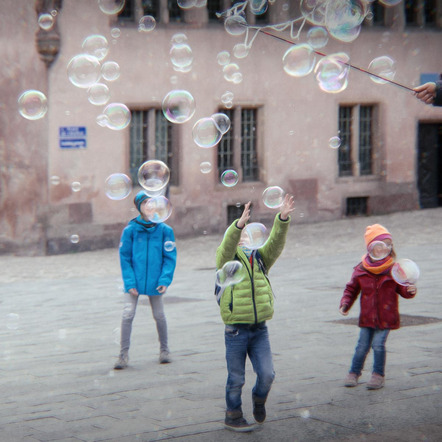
x,y
129,310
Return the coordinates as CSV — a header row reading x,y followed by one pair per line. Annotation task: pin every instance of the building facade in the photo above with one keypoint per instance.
x,y
388,157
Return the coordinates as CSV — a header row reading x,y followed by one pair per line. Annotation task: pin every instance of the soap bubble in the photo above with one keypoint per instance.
x,y
118,116
258,7
111,7
235,25
32,104
115,32
231,72
223,58
332,71
153,176
76,186
206,133
118,186
181,55
46,21
241,50
334,142
345,35
314,11
12,321
157,209
169,246
231,273
227,97
205,167
186,4
344,15
378,250
178,38
254,236
384,67
273,197
110,70
98,94
317,37
222,122
389,3
405,272
147,23
299,60
74,239
96,45
84,70
55,180
229,178
178,106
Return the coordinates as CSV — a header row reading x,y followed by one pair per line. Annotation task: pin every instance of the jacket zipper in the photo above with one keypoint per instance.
x,y
147,254
253,287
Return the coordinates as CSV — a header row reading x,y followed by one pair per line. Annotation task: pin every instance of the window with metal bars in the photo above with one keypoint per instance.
x,y
174,11
234,212
151,7
214,6
225,146
356,131
152,136
357,206
249,158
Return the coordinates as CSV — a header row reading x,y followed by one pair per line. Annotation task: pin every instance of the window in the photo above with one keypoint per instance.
x,y
357,206
356,131
152,136
421,12
234,212
240,152
214,6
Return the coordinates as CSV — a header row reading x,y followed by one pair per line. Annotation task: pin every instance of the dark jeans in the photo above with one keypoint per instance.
x,y
242,341
374,338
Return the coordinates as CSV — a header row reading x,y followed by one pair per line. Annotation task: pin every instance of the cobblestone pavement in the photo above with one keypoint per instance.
x,y
60,330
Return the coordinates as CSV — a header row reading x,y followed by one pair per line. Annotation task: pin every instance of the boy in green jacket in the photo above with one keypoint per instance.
x,y
245,308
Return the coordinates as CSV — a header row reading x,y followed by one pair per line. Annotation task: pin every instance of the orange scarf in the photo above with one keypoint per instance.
x,y
377,267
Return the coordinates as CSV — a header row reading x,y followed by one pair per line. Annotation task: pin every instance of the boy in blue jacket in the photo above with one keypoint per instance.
x,y
147,260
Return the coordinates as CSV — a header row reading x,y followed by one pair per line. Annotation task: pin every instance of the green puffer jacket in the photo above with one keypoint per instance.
x,y
251,300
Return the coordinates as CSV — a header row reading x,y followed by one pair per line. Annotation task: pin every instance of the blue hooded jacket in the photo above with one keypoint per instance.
x,y
145,263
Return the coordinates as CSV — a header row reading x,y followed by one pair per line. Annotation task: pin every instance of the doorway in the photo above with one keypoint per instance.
x,y
429,165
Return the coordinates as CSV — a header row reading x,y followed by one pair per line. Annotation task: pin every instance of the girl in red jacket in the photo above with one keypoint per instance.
x,y
379,304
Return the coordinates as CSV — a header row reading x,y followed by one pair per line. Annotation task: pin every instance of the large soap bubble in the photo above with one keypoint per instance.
x,y
98,94
153,176
378,250
229,178
273,197
111,7
32,104
230,274
384,67
299,60
84,70
178,106
222,121
332,71
206,133
96,45
117,115
110,70
314,11
405,272
157,209
254,236
181,56
118,186
235,25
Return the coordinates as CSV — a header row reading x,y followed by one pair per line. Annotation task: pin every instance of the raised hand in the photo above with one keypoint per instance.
x,y
245,216
288,206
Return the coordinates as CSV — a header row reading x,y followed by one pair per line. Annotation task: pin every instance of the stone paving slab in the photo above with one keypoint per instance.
x,y
60,330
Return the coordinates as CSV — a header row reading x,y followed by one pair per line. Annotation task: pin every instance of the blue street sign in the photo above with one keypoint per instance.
x,y
73,137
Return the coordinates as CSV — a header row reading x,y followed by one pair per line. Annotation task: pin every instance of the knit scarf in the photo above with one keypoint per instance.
x,y
377,267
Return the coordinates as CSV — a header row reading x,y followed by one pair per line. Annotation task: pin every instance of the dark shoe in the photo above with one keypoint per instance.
x,y
259,409
122,362
235,421
376,382
351,380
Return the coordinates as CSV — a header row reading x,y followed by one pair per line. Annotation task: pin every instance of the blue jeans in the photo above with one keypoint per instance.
x,y
254,342
374,338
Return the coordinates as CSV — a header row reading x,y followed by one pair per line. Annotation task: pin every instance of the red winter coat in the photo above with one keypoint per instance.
x,y
379,298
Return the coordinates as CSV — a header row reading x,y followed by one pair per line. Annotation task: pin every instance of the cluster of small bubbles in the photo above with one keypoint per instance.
x,y
384,67
110,70
378,250
273,197
46,21
254,236
231,273
222,122
178,106
169,246
157,209
317,37
32,104
118,186
232,73
74,239
98,94
405,272
235,25
181,57
241,50
116,116
12,321
115,32
111,7
229,178
314,11
206,167
153,176
54,180
206,133
332,71
84,70
227,99
96,45
299,60
334,142
147,23
223,58
76,186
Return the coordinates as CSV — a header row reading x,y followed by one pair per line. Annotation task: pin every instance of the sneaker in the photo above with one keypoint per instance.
x,y
164,357
259,409
376,382
122,362
351,380
235,421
